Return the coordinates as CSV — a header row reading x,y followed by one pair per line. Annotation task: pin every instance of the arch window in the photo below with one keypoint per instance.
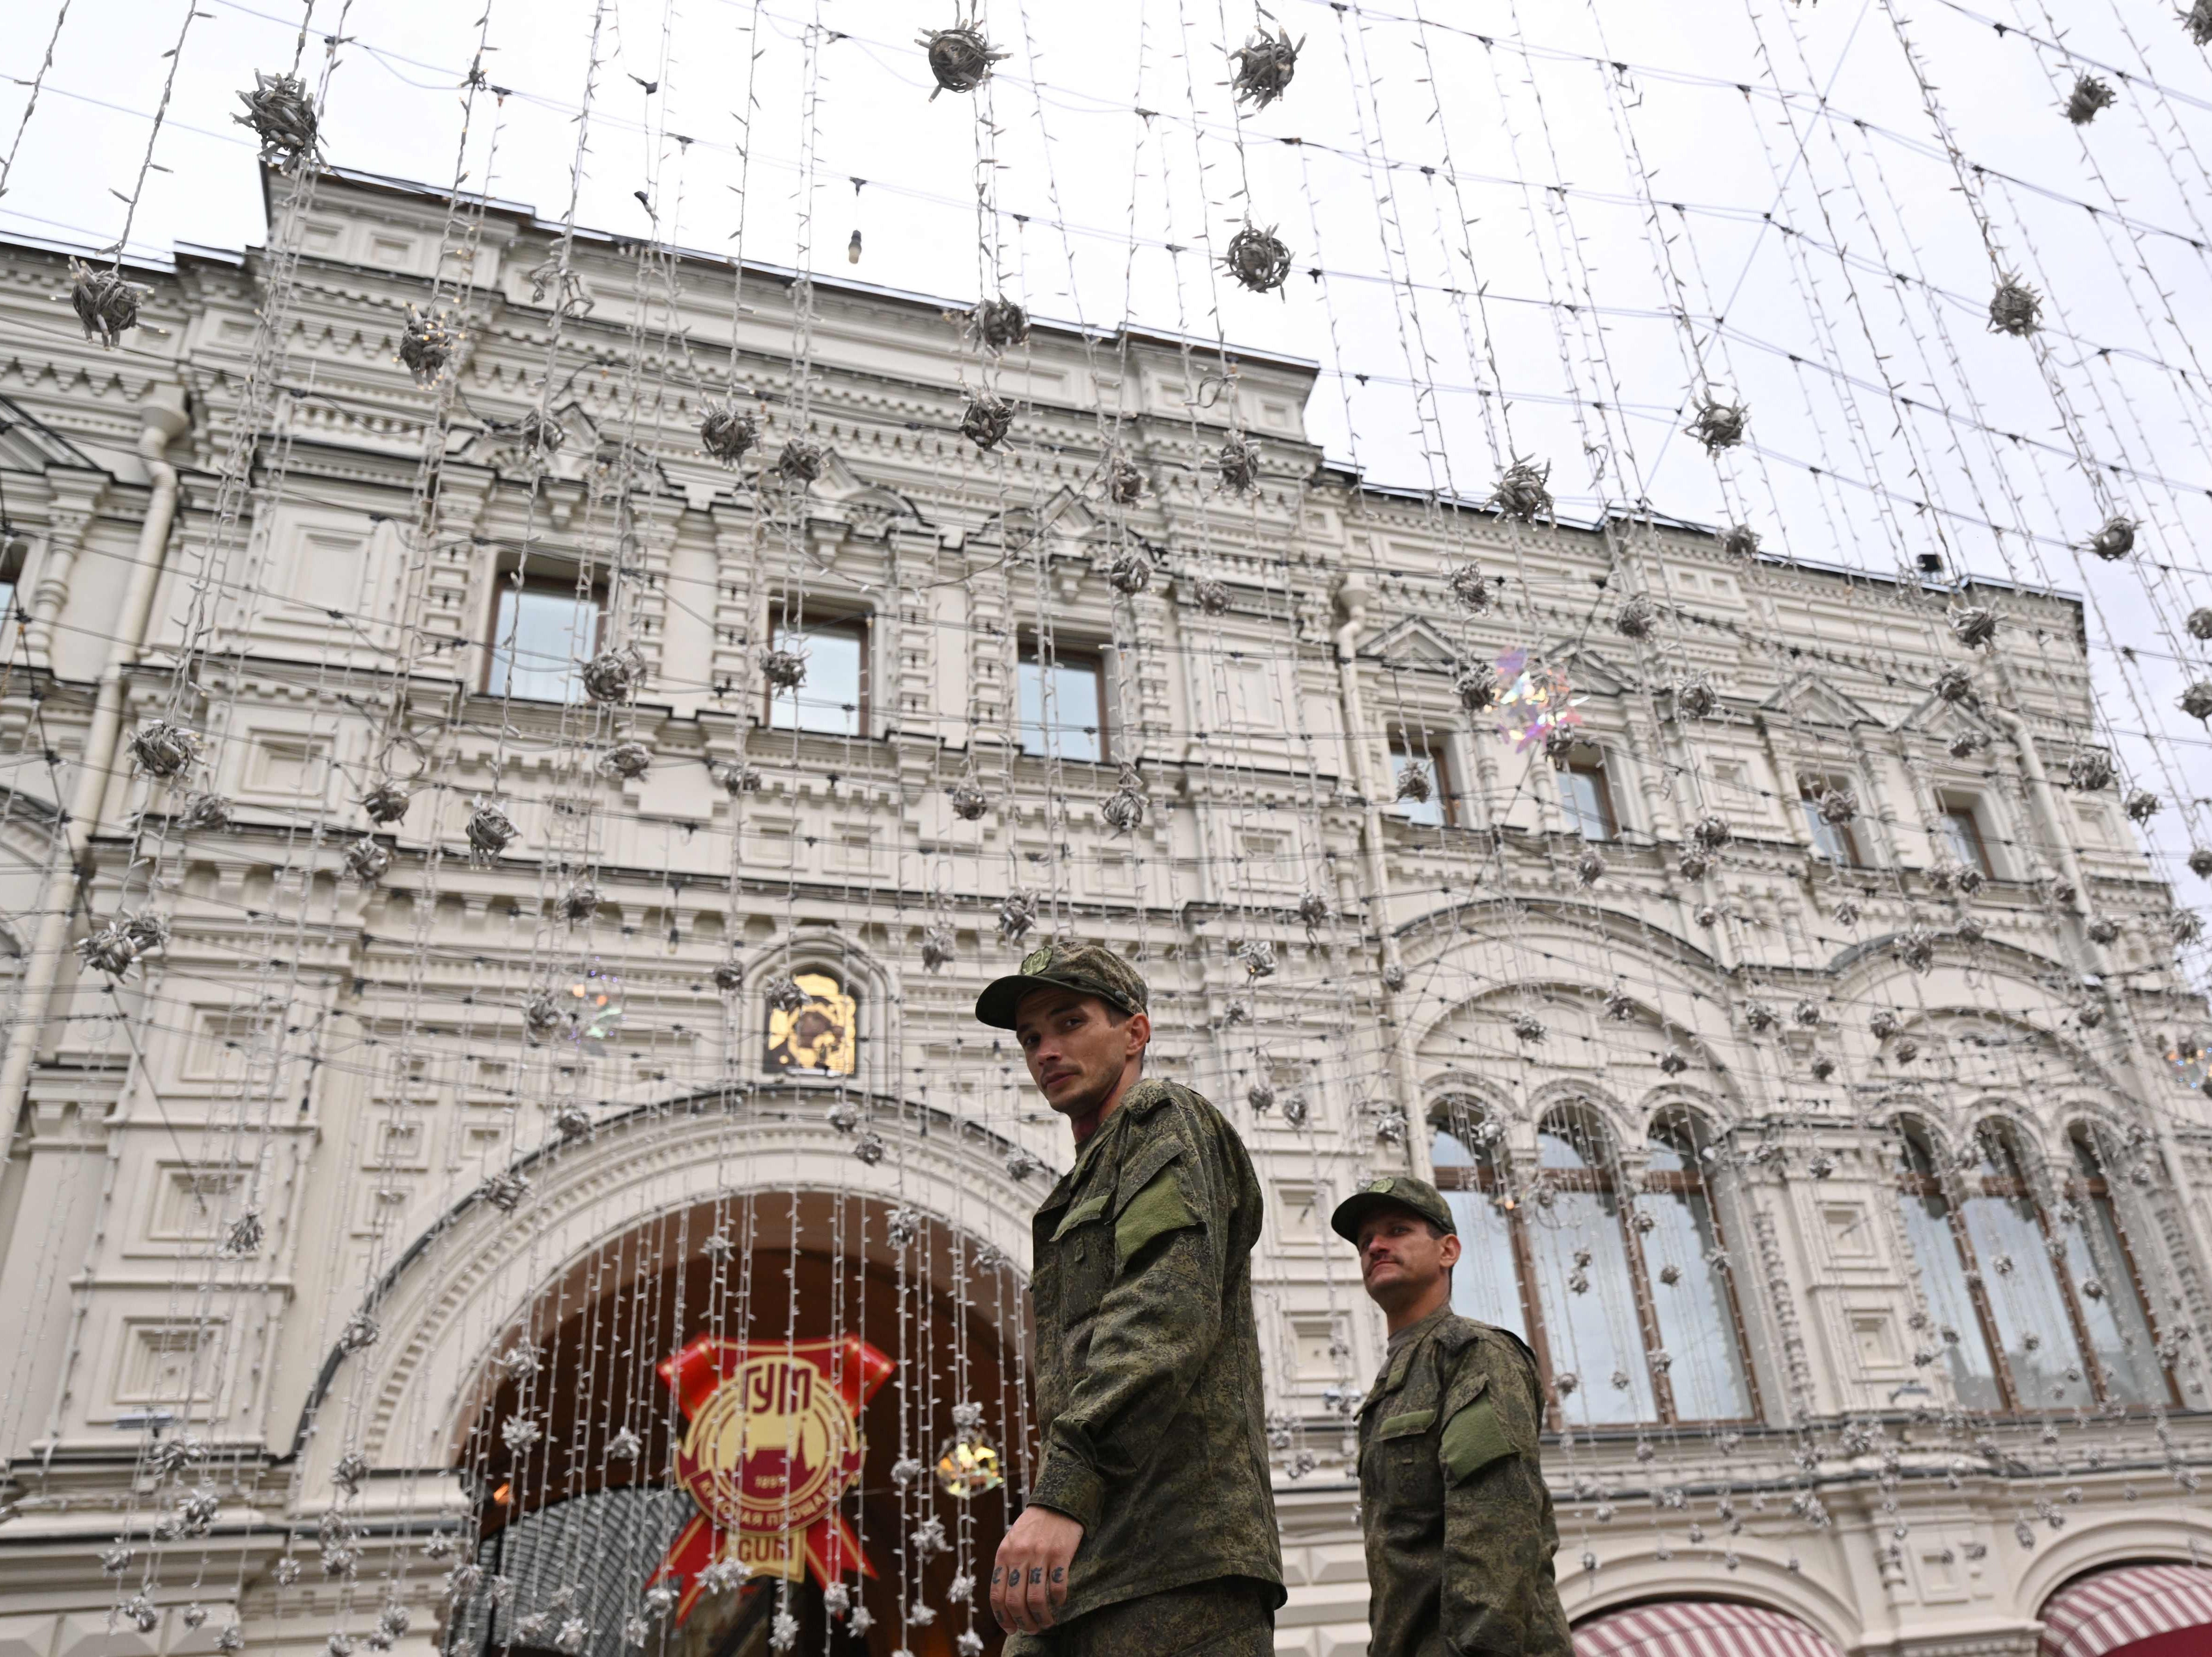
x,y
1618,1281
1939,1253
2114,1308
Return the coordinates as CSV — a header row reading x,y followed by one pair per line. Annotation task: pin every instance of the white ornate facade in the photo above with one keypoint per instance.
x,y
349,1063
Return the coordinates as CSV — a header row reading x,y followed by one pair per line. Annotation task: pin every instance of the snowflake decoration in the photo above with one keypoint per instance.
x,y
727,432
426,345
959,58
1263,68
1257,259
1522,493
104,302
1718,425
489,833
987,420
282,115
998,324
2016,308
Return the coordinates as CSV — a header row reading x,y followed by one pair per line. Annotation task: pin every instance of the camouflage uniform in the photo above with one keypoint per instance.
x,y
1452,1501
1148,1381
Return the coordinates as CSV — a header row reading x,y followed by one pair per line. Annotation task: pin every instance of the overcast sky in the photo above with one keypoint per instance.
x,y
1509,223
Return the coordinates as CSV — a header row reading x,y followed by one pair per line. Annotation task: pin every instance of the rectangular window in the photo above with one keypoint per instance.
x,y
1833,841
834,698
1063,705
542,633
1587,798
1962,835
1428,803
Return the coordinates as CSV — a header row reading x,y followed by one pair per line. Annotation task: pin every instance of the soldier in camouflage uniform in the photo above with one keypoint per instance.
x,y
1151,1526
1452,1501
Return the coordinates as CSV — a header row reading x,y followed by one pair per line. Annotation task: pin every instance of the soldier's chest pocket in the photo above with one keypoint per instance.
x,y
1402,1455
1083,1257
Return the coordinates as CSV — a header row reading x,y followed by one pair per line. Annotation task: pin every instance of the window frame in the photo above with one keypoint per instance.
x,y
551,584
1458,1117
1030,652
1809,788
859,624
1588,759
2079,1187
1950,808
1436,755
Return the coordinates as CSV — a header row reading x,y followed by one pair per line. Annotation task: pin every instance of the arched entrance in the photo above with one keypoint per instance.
x,y
573,1519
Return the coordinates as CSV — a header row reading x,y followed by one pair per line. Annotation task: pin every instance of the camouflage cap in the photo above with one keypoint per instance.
x,y
1089,968
1394,1191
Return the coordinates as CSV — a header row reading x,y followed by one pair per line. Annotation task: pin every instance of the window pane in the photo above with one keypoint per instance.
x,y
1060,708
1485,1284
1424,813
1964,832
1697,1325
830,700
1593,1336
1943,1279
1584,796
2039,1347
1830,840
2118,1326
537,640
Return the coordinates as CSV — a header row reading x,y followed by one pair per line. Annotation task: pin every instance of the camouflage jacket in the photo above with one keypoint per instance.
x,y
1147,1357
1452,1500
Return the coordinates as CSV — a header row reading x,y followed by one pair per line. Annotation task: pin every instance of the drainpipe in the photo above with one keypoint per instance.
x,y
1396,1003
56,898
2169,1144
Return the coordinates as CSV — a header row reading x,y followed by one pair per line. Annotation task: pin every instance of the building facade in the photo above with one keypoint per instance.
x,y
522,967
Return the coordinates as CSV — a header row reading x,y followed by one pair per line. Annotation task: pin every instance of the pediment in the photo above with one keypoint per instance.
x,y
1932,714
27,446
1809,699
1413,644
1587,670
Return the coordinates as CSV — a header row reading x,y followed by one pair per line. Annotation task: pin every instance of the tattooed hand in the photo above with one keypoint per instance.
x,y
1028,1582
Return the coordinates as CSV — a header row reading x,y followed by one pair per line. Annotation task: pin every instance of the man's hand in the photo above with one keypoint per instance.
x,y
1028,1582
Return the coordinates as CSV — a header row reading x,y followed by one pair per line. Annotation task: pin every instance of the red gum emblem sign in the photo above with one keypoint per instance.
x,y
774,1443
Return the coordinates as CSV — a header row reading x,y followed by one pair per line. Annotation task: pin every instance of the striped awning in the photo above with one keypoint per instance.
x,y
2128,1609
1698,1627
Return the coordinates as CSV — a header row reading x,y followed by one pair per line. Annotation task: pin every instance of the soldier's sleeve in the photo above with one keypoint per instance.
x,y
1157,1325
1498,1562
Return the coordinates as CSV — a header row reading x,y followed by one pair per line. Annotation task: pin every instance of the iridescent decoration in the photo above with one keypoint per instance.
x,y
628,760
727,432
799,463
2141,804
1884,1024
959,56
1711,831
109,949
1523,493
998,324
489,833
1238,464
572,1120
140,1612
939,947
1953,684
1537,705
1130,573
1697,698
1916,947
427,344
579,903
1637,617
1125,484
987,420
282,115
1017,913
1213,596
1761,1016
968,800
1716,424
1740,541
1123,810
2196,700
163,750
368,860
104,302
783,995
541,1013
1257,259
1590,867
202,814
1263,68
2016,308
968,1464
1526,1026
1313,910
2116,539
386,802
1413,782
1471,589
784,670
1693,865
352,1469
1673,1061
1257,957
359,1334
1837,805
1822,1165
1974,627
1620,1005
904,1227
1806,1014
613,675
869,1148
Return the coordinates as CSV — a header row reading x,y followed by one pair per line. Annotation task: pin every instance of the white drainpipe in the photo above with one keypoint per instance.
x,y
97,760
1397,1004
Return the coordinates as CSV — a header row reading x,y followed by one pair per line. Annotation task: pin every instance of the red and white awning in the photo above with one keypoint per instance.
x,y
2140,1610
1699,1628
